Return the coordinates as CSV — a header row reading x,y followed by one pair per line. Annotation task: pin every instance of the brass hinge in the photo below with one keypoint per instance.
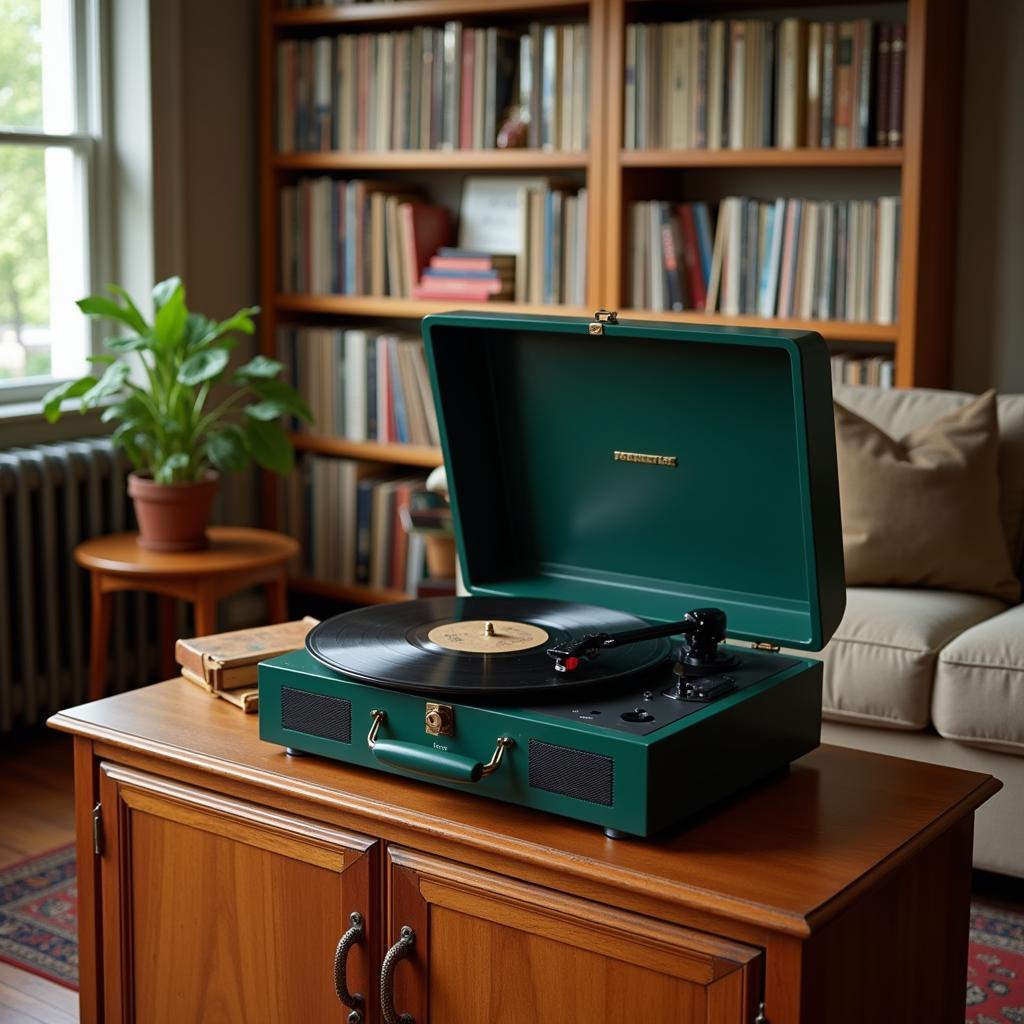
x,y
602,317
97,830
764,645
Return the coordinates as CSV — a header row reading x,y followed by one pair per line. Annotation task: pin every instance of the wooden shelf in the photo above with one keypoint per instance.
x,y
434,160
369,451
760,158
354,593
830,330
371,305
417,11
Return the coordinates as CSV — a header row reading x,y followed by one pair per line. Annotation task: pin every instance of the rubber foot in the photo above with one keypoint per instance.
x,y
292,752
614,833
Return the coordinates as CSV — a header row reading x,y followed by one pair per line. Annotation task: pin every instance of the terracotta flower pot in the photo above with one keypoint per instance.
x,y
172,517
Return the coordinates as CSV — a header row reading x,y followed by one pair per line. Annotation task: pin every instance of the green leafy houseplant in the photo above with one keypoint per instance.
x,y
176,429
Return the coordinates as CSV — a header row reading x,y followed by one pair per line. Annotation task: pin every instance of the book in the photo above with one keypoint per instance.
x,y
227,661
897,65
883,77
845,84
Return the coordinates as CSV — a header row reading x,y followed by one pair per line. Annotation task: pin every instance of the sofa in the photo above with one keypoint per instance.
x,y
938,675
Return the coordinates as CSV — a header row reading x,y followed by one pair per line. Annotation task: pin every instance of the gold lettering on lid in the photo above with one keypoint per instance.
x,y
650,460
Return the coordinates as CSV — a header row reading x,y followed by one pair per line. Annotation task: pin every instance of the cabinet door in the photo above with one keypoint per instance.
x,y
489,949
218,910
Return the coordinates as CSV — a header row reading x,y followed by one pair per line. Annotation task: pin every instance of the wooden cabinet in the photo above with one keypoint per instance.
x,y
217,875
219,910
488,948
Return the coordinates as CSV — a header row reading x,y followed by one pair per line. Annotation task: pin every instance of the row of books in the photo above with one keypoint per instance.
x,y
450,87
363,384
356,237
823,259
875,371
744,84
347,517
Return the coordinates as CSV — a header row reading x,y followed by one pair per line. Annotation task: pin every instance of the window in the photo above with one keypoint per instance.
x,y
49,142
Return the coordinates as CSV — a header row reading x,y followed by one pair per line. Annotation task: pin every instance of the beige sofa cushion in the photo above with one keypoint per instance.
x,y
899,411
924,509
979,685
880,665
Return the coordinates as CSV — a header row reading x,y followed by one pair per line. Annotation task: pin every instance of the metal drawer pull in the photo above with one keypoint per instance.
x,y
438,764
353,1001
399,951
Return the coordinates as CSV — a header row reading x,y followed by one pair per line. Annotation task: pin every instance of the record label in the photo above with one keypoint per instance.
x,y
487,636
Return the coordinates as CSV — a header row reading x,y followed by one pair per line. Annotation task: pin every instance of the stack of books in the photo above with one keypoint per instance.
x,y
747,84
356,237
464,274
363,384
876,371
347,517
357,92
800,258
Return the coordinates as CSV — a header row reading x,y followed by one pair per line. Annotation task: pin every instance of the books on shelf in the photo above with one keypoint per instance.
x,y
466,274
788,257
754,83
434,87
876,371
363,384
346,516
356,237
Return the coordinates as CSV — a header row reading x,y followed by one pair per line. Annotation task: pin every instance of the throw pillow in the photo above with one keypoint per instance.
x,y
924,510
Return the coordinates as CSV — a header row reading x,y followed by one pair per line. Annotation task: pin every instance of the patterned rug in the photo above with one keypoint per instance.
x,y
38,915
39,910
995,966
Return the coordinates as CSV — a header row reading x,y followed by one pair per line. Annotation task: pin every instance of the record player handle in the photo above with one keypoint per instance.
x,y
401,949
439,764
353,1001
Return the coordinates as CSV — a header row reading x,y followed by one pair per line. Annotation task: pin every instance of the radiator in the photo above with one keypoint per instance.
x,y
53,496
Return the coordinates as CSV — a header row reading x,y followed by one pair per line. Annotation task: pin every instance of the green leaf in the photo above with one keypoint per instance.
x,y
172,468
203,365
102,359
100,305
140,321
259,367
284,394
132,410
199,330
169,325
69,389
109,384
268,410
127,344
127,438
270,446
163,291
241,321
228,449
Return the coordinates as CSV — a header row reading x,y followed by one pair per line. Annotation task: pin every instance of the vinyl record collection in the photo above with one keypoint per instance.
x,y
748,84
793,258
363,384
356,91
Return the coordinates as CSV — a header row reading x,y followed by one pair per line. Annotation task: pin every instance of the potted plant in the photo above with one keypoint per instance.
x,y
178,432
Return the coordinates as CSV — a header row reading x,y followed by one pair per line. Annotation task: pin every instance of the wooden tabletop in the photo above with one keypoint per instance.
x,y
231,549
789,854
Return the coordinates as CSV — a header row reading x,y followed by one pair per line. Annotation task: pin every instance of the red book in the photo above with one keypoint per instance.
x,y
399,538
884,68
695,286
463,290
897,64
424,229
466,91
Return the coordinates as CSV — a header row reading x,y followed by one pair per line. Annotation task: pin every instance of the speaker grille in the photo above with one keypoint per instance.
x,y
316,715
570,772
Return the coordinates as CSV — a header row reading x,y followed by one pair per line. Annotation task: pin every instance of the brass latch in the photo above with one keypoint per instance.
x,y
439,720
764,645
602,317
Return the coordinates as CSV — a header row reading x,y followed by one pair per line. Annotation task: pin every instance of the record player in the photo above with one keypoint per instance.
x,y
625,496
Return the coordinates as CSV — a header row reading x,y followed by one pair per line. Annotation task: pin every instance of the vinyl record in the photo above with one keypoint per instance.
x,y
391,646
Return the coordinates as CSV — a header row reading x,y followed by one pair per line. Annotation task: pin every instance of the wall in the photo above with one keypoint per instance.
x,y
989,317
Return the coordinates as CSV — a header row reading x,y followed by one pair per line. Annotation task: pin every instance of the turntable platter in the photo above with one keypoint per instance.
x,y
444,646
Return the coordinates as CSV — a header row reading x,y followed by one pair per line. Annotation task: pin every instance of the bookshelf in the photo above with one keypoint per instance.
x,y
922,171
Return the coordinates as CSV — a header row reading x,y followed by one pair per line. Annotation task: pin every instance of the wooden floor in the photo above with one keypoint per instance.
x,y
36,815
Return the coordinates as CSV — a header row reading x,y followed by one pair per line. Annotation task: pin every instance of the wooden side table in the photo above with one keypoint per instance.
x,y
238,557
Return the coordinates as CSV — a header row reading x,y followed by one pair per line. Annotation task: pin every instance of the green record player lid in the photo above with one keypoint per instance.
x,y
646,467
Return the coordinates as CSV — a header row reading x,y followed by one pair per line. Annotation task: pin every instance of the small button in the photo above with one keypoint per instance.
x,y
637,715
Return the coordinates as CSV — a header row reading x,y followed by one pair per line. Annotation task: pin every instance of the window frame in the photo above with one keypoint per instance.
x,y
89,142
